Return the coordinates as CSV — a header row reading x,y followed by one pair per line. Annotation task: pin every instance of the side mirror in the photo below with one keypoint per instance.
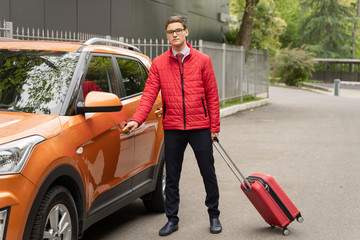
x,y
100,102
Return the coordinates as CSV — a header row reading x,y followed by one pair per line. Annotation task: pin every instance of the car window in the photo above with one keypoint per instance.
x,y
35,81
132,76
143,72
99,76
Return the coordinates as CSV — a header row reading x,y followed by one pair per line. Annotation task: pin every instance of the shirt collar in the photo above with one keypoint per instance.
x,y
184,52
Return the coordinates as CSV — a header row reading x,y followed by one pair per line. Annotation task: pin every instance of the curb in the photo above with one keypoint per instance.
x,y
241,107
313,86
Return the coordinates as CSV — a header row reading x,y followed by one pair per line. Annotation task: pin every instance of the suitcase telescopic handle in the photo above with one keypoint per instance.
x,y
232,165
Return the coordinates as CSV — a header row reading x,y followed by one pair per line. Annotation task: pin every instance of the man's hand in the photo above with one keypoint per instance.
x,y
213,135
131,126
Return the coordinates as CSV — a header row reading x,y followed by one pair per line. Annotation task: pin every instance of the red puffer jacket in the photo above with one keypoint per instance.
x,y
190,98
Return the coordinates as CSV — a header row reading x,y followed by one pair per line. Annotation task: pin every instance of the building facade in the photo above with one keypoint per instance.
x,y
120,18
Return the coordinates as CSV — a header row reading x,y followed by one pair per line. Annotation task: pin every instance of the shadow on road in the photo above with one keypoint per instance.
x,y
121,219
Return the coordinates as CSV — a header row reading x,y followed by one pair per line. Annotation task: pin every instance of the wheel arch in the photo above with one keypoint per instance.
x,y
67,176
158,169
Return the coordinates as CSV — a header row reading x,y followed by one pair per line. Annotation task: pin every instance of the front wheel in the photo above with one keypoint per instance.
x,y
56,217
155,201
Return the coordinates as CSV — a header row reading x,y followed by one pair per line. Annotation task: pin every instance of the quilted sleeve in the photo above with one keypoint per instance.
x,y
151,90
212,96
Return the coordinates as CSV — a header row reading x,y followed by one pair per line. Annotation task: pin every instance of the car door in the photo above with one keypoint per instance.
x,y
110,152
148,135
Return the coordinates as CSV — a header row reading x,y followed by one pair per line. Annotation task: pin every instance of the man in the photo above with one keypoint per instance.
x,y
190,115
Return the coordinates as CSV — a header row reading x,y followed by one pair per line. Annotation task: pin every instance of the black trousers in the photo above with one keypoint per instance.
x,y
201,143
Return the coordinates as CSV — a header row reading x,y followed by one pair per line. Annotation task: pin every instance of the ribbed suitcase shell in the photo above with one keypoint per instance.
x,y
265,194
270,200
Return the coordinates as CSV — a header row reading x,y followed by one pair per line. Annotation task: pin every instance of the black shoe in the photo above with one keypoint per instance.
x,y
215,226
168,229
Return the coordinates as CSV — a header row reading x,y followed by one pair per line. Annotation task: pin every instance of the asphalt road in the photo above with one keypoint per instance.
x,y
309,142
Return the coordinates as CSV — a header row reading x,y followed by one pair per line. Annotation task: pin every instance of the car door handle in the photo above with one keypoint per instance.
x,y
158,112
126,130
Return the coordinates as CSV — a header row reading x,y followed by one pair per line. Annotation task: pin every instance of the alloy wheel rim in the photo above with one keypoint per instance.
x,y
58,224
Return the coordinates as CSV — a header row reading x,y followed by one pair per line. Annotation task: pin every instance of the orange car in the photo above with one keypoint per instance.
x,y
66,159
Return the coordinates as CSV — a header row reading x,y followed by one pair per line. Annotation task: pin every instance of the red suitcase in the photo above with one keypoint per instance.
x,y
266,195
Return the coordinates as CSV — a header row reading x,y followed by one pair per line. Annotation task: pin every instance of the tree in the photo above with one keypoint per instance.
x,y
267,27
326,29
355,28
243,38
354,37
289,11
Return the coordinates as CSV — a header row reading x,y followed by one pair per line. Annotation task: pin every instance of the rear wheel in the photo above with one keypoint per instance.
x,y
155,201
56,217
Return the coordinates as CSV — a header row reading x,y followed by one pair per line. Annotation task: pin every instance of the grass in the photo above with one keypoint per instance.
x,y
316,81
231,102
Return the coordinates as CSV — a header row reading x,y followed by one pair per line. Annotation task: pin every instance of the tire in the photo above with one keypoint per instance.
x,y
155,201
56,217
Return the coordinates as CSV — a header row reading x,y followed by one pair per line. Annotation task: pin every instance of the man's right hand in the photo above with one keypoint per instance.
x,y
132,125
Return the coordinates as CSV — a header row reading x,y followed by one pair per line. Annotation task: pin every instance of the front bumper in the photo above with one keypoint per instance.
x,y
16,197
4,218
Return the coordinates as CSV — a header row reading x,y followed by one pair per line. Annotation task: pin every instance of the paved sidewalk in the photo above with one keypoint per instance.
x,y
308,141
241,107
328,89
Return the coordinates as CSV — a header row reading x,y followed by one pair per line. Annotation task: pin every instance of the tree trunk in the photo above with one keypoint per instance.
x,y
243,37
354,34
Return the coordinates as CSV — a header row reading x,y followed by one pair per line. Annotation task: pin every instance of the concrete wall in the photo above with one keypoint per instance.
x,y
121,18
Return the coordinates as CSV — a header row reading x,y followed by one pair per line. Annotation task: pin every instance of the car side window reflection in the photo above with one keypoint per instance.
x,y
132,76
99,76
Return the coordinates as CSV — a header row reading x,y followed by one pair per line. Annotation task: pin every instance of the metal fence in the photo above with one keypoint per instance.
x,y
235,78
8,31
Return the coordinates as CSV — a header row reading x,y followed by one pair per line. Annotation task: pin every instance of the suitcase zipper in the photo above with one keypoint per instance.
x,y
273,195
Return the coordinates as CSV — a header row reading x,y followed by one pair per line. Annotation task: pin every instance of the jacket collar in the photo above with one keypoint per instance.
x,y
170,52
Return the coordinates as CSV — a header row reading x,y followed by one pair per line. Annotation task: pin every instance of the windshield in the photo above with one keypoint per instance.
x,y
35,81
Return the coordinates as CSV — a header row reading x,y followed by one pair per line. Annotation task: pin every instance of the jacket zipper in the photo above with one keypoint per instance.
x,y
181,68
203,103
164,110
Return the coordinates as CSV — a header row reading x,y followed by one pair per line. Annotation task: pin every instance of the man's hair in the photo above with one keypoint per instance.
x,y
179,19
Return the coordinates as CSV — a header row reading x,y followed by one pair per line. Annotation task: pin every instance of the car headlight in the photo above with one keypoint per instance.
x,y
13,155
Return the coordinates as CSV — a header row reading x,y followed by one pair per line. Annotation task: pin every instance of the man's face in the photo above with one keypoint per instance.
x,y
177,40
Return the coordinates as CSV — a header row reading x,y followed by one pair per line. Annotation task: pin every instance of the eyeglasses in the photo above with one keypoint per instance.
x,y
177,31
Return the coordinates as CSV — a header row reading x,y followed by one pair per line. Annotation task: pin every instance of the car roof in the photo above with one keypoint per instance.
x,y
71,47
40,45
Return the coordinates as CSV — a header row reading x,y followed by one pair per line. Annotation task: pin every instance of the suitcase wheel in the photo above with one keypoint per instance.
x,y
300,219
286,232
